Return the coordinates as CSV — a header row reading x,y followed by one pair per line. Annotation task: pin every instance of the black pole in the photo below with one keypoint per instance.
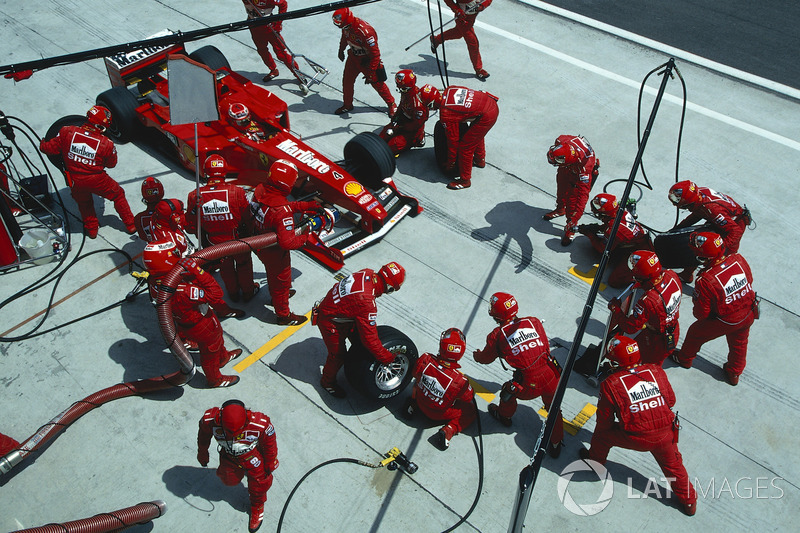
x,y
179,37
529,474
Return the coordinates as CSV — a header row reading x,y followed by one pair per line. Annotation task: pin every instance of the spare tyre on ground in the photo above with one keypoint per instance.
x,y
376,380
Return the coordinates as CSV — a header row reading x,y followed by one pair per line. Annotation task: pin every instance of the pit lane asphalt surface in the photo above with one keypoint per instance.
x,y
762,38
553,76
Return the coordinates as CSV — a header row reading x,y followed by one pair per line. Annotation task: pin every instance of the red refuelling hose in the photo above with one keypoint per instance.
x,y
106,522
164,310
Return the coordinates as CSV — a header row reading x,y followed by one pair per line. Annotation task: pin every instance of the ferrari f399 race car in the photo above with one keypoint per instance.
x,y
360,186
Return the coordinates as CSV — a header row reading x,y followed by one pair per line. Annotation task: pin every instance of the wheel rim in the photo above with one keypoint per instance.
x,y
388,377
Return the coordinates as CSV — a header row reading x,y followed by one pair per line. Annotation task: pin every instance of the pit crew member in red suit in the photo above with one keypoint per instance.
x,y
523,344
459,105
407,127
152,193
272,212
270,34
195,303
634,412
465,12
240,118
247,447
655,315
578,168
363,57
224,212
168,222
86,152
724,304
720,211
630,236
348,310
441,391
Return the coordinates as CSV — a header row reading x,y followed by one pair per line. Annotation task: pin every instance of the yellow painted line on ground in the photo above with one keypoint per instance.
x,y
572,427
588,277
481,391
272,343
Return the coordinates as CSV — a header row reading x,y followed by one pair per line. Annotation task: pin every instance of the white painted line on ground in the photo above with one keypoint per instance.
x,y
755,130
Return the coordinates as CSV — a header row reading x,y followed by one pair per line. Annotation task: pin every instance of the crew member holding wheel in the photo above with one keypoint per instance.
x,y
349,309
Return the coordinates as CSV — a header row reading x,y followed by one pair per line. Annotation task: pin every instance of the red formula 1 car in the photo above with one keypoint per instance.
x,y
360,187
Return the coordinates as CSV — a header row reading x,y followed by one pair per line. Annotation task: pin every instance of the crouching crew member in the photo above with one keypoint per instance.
x,y
655,315
634,411
523,344
441,391
247,447
349,310
630,236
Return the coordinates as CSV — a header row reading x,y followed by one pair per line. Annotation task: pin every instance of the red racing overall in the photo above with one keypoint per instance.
x,y
640,398
479,109
193,310
252,453
443,393
523,344
724,304
347,310
223,210
466,12
726,217
269,34
363,57
574,182
273,212
407,127
655,317
86,152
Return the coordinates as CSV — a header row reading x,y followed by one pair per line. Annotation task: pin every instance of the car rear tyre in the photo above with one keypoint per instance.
x,y
211,57
122,103
673,249
369,159
378,381
52,131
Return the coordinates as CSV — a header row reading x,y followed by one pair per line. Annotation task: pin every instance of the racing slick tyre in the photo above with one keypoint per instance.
x,y
52,131
378,381
673,249
122,103
369,159
440,148
211,57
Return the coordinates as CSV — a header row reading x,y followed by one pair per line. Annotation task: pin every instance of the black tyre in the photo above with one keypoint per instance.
x,y
369,159
378,381
440,148
122,103
52,131
673,249
211,57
